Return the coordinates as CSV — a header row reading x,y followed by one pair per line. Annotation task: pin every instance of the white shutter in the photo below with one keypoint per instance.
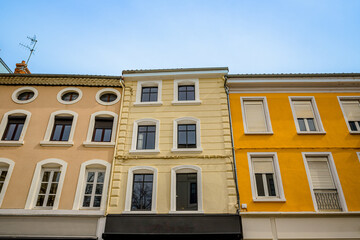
x,y
320,173
263,165
352,110
303,109
255,116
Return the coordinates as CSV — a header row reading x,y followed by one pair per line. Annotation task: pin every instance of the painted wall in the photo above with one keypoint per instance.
x,y
289,145
218,186
27,156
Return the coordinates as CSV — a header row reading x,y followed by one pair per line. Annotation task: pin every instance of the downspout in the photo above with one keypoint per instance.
x,y
232,146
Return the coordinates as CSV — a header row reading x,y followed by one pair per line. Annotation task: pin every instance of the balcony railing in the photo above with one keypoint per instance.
x,y
327,200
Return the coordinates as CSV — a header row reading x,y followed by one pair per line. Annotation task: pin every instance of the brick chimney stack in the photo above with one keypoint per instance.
x,y
21,68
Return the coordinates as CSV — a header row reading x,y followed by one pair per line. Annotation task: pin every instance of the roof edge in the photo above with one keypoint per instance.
x,y
293,75
37,75
170,70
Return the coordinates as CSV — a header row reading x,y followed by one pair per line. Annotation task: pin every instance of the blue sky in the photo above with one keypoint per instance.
x,y
106,37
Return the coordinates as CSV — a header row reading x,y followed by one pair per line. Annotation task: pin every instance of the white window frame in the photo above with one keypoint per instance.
x,y
129,188
66,90
278,184
35,183
107,90
152,83
88,142
145,121
9,165
334,175
186,120
266,114
186,169
180,82
3,126
358,155
50,127
95,164
317,118
345,98
19,91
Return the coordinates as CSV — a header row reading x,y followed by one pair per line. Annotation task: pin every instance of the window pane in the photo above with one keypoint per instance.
x,y
86,202
138,177
107,135
90,177
1,186
40,200
193,193
3,175
25,96
186,191
97,201
101,176
142,192
301,124
88,189
259,184
150,141
56,177
10,132
270,184
46,176
191,138
97,135
148,177
353,126
140,141
182,96
99,188
153,97
311,124
66,133
18,132
51,200
108,97
43,188
190,96
53,188
56,133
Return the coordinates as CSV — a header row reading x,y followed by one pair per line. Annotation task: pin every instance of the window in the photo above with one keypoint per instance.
x,y
103,129
13,127
186,191
351,110
256,115
69,95
186,136
265,177
324,184
145,136
6,168
62,127
24,95
141,190
47,184
3,173
94,188
107,96
186,92
148,93
307,118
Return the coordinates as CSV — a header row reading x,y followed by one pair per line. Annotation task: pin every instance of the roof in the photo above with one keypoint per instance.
x,y
293,75
175,70
60,80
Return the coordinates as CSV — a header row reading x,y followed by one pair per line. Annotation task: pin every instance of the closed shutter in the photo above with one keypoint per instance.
x,y
303,109
352,110
255,116
320,173
263,165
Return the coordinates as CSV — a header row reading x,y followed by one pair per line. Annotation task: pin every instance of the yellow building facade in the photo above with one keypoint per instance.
x,y
296,141
173,170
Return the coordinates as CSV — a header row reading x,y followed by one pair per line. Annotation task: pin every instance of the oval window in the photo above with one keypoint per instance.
x,y
25,95
108,97
70,96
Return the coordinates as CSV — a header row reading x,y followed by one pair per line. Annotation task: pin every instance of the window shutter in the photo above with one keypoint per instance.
x,y
255,116
303,109
263,165
352,110
320,173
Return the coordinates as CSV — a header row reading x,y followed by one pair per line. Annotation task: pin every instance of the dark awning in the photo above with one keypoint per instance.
x,y
179,226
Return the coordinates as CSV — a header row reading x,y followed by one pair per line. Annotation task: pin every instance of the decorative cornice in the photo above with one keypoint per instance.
x,y
128,157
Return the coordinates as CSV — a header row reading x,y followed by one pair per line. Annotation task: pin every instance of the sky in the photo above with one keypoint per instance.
x,y
254,36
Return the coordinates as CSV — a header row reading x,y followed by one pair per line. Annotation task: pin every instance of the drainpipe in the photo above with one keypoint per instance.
x,y
232,146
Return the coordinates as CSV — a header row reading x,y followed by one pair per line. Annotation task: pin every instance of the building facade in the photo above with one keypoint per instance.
x,y
172,175
297,151
57,140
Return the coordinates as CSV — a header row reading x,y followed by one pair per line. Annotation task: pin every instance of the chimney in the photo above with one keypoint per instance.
x,y
21,68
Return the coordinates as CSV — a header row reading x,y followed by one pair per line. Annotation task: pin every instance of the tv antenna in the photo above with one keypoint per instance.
x,y
33,42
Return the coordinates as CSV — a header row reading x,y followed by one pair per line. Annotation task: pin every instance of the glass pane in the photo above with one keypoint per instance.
x,y
18,132
145,97
142,192
182,127
97,201
10,131
43,188
186,191
301,124
3,175
97,135
182,96
353,126
56,133
270,184
153,97
182,88
191,127
40,200
50,201
259,184
88,188
138,177
193,193
146,90
108,97
66,133
150,141
99,188
148,177
53,188
90,177
140,141
191,138
190,96
56,177
101,176
151,128
86,202
25,96
107,135
46,176
1,186
154,90
311,124
182,138
142,128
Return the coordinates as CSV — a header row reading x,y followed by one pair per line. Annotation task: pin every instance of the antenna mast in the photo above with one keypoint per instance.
x,y
33,42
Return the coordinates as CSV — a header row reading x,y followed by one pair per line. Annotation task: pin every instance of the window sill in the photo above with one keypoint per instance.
x,y
259,133
11,143
191,102
98,144
187,212
139,212
311,133
56,143
150,151
269,200
144,104
186,150
353,132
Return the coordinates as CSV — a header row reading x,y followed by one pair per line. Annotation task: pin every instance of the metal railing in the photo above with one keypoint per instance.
x,y
327,200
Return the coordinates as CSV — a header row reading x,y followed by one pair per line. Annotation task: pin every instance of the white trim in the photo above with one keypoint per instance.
x,y
10,167
278,185
107,90
180,82
317,119
129,188
186,120
176,74
343,112
261,89
145,121
47,212
79,196
266,113
334,175
4,122
302,213
50,127
66,90
88,142
35,183
19,91
140,85
185,169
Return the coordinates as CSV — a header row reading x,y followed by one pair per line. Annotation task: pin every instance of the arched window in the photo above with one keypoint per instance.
x,y
145,136
13,127
6,168
186,135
